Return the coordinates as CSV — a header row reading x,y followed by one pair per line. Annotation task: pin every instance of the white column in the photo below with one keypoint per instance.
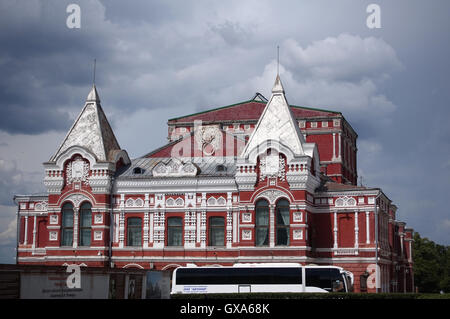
x,y
75,227
151,226
356,230
335,231
146,227
235,226
229,228
121,228
34,233
367,227
203,229
334,146
339,142
25,238
271,225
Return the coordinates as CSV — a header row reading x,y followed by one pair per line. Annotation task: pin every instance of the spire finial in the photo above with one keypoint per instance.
x,y
95,64
278,60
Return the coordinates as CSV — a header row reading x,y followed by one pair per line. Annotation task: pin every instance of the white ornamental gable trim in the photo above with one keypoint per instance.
x,y
345,202
174,168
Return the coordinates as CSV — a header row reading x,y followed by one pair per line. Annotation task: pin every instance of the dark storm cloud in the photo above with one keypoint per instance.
x,y
168,58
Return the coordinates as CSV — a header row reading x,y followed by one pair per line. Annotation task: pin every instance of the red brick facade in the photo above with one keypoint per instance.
x,y
210,197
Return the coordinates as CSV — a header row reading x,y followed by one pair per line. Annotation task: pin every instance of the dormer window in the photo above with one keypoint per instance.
x,y
221,168
138,171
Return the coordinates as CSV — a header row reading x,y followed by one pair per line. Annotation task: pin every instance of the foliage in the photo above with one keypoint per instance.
x,y
431,265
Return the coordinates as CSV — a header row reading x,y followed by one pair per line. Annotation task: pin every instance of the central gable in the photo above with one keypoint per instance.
x,y
276,124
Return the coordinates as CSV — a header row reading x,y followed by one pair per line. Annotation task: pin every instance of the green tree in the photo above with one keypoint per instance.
x,y
431,265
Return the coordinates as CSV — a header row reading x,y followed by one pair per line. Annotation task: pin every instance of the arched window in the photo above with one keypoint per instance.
x,y
282,222
85,224
262,223
216,231
134,231
174,231
67,225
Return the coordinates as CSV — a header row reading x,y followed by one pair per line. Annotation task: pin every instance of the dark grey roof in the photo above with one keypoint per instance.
x,y
208,166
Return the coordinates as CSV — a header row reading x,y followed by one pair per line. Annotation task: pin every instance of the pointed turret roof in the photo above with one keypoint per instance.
x,y
91,130
277,123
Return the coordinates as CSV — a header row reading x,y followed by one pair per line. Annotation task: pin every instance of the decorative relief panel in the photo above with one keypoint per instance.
x,y
175,168
345,202
246,234
297,234
98,235
221,201
98,219
247,217
208,139
42,206
76,199
53,219
138,202
179,202
53,236
297,217
77,171
272,166
272,195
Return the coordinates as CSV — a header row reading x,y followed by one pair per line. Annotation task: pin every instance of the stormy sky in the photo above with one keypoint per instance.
x,y
161,59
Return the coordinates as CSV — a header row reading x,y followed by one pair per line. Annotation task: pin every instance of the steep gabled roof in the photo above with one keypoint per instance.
x,y
276,123
91,130
229,145
250,110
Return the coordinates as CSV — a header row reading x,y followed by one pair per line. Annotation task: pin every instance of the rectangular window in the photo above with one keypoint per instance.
x,y
134,232
282,222
85,225
216,231
67,225
262,223
174,231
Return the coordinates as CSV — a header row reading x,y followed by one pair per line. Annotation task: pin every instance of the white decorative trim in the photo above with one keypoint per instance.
x,y
345,202
77,199
179,202
246,234
246,217
297,234
53,236
98,235
98,219
272,195
174,168
41,206
138,202
272,166
297,217
77,171
53,219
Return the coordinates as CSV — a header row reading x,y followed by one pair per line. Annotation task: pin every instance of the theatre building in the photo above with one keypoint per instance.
x,y
260,181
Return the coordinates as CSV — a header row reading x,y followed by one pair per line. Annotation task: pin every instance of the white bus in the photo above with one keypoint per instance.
x,y
270,277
